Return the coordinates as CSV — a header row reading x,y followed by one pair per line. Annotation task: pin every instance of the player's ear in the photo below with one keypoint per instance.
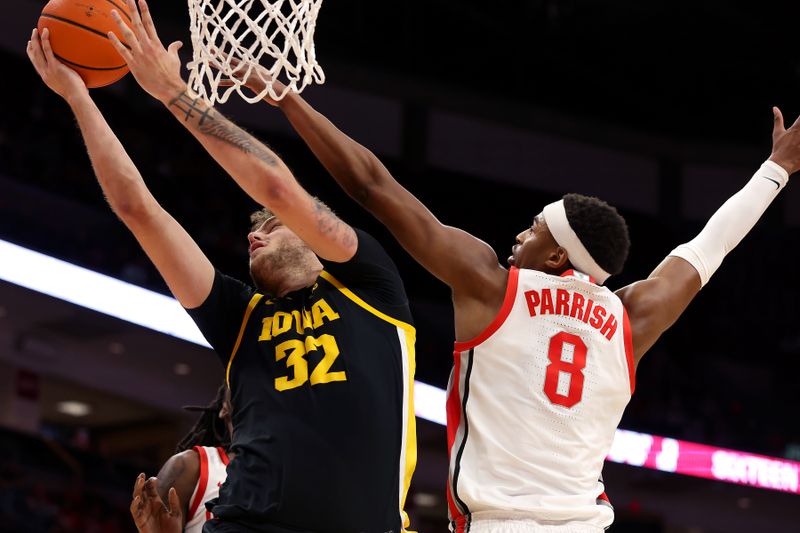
x,y
558,259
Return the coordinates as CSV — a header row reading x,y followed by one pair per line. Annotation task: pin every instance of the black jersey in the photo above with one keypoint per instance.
x,y
321,386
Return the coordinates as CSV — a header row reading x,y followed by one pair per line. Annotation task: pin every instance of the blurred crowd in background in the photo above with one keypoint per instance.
x,y
51,487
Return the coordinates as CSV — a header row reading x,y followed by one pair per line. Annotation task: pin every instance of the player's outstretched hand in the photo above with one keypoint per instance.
x,y
255,81
148,511
785,143
60,78
157,69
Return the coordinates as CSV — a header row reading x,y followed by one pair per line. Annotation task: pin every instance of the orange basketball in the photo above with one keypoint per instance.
x,y
78,34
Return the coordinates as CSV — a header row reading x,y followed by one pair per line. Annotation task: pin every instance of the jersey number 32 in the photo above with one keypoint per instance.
x,y
294,352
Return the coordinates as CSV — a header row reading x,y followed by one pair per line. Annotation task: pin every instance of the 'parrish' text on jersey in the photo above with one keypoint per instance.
x,y
572,304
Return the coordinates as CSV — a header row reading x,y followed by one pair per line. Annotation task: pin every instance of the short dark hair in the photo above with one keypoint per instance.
x,y
210,429
601,229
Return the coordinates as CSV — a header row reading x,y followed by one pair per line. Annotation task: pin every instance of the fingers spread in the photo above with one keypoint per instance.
x,y
136,21
147,19
121,48
127,34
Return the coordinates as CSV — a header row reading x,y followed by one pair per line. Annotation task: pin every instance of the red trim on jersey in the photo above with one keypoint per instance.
x,y
455,516
628,337
223,456
572,272
453,407
604,497
202,483
508,303
460,525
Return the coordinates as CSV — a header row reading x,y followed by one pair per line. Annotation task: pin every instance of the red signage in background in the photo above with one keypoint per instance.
x,y
699,460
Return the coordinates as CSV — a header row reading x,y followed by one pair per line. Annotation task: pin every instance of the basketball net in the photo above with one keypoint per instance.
x,y
231,38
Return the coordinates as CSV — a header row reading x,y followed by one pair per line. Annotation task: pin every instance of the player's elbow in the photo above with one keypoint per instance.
x,y
276,195
371,186
132,207
126,193
362,193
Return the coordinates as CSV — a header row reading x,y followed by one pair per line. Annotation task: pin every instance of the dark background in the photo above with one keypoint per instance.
x,y
680,90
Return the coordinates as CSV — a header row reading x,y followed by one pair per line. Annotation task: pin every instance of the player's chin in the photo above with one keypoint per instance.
x,y
261,279
259,265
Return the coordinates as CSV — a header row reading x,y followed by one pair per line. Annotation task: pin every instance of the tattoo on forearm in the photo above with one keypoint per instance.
x,y
329,224
189,106
212,123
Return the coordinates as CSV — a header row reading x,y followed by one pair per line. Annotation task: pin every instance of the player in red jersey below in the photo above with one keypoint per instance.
x,y
545,355
174,501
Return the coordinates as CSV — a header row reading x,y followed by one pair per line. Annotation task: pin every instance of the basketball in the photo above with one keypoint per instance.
x,y
78,34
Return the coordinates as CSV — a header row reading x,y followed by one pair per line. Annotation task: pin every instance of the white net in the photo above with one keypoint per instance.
x,y
259,41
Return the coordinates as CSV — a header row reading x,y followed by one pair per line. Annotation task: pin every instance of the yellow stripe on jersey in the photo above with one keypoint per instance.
x,y
411,428
361,303
410,334
253,302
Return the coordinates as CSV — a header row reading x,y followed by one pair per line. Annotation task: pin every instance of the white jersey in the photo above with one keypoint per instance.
x,y
213,464
533,404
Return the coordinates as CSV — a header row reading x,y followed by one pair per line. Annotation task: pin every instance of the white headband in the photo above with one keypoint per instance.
x,y
555,216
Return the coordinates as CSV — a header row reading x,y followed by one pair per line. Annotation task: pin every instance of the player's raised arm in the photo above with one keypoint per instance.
x,y
656,303
462,261
182,264
256,168
465,263
452,255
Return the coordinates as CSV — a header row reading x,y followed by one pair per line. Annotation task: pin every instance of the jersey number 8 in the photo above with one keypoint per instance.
x,y
573,368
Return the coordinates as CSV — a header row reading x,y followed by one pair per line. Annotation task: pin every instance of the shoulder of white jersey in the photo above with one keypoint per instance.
x,y
582,279
212,460
202,483
579,275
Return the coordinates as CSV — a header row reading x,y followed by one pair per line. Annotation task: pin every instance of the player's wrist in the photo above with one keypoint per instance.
x,y
172,90
778,164
289,98
77,97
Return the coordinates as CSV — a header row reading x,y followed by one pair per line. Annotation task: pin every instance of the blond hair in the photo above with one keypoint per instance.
x,y
262,215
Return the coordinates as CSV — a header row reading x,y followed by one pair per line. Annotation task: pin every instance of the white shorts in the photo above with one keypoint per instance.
x,y
493,522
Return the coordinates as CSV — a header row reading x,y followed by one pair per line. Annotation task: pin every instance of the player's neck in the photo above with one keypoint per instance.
x,y
298,280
